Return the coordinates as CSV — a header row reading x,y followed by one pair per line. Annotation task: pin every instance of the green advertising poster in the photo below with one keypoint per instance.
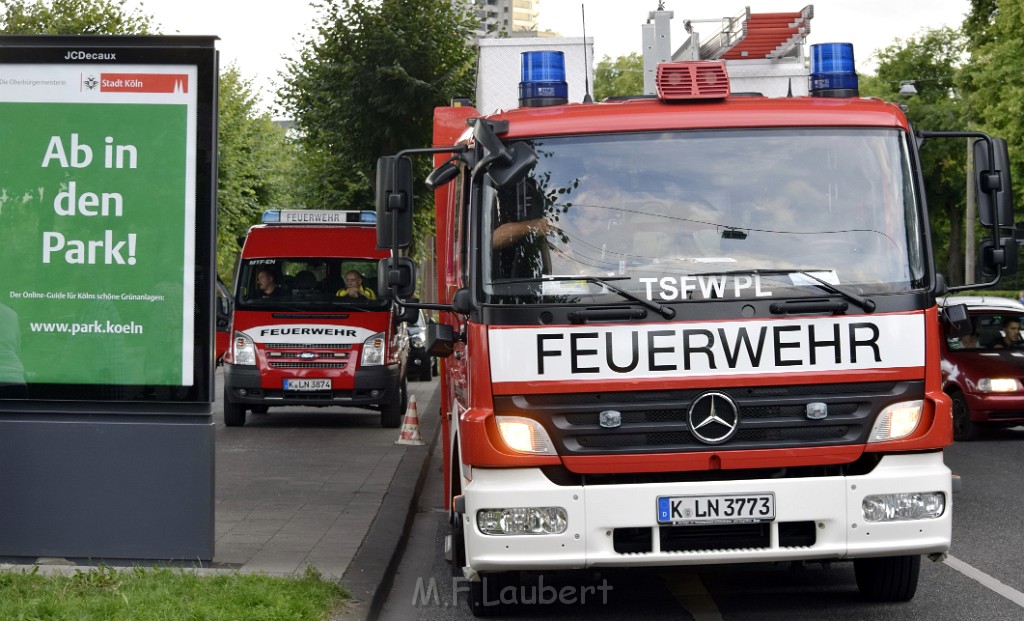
x,y
97,221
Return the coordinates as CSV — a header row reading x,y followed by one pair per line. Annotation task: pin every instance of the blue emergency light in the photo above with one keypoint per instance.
x,y
832,71
542,79
271,216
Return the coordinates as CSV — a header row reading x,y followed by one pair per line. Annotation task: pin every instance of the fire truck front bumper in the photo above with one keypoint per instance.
x,y
902,507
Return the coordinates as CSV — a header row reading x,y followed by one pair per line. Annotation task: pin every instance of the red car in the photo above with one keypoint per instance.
x,y
984,371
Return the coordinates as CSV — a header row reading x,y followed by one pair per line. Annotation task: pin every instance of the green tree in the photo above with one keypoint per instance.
x,y
619,77
255,166
994,29
931,60
89,17
367,85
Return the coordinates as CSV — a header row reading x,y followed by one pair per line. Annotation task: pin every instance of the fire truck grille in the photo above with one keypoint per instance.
x,y
289,364
657,422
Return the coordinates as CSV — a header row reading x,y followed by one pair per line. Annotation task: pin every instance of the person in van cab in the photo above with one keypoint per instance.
x,y
354,289
266,282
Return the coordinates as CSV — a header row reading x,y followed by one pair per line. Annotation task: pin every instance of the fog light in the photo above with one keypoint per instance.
x,y
903,507
522,521
242,392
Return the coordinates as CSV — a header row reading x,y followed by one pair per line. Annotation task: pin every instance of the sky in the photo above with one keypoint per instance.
x,y
257,36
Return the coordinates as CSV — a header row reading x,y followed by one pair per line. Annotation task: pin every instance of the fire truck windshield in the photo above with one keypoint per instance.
x,y
705,215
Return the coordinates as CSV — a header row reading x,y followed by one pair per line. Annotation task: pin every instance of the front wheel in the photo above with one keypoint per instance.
x,y
964,429
391,414
889,579
234,413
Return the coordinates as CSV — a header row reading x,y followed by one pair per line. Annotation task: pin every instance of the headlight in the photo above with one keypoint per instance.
x,y
417,341
523,521
243,350
524,435
903,507
998,384
899,420
373,350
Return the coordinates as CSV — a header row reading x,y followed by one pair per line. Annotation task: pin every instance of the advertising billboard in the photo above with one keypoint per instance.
x,y
100,225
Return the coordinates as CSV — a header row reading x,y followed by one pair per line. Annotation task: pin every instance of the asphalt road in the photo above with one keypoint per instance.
x,y
983,578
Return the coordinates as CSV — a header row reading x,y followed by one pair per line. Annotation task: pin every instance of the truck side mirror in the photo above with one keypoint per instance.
x,y
394,202
408,314
958,320
440,340
995,195
398,274
997,260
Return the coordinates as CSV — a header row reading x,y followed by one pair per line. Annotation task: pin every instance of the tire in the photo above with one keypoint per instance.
x,y
964,429
234,413
458,545
391,415
889,579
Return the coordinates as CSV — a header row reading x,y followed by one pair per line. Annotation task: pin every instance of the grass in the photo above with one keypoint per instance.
x,y
109,594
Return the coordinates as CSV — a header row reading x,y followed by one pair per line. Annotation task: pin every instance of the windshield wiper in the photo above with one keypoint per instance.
x,y
664,311
866,304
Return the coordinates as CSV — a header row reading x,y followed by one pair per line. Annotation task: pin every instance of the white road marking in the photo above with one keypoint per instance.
x,y
986,580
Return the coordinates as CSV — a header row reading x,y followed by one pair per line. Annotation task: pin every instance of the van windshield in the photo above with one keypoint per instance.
x,y
297,283
700,215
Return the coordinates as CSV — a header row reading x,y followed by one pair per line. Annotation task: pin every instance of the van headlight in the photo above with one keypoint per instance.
x,y
373,351
243,350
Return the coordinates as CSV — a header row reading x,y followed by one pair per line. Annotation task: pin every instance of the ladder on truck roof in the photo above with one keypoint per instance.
x,y
753,35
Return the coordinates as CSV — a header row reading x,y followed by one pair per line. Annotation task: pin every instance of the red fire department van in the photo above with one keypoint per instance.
x,y
310,326
695,328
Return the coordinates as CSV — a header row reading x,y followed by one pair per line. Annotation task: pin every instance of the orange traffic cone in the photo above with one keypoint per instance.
x,y
411,425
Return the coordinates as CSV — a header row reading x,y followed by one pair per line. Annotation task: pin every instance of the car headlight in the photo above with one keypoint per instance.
x,y
417,341
998,384
243,350
373,350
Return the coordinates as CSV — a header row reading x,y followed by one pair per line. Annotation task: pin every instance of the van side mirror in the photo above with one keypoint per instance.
x,y
995,194
394,202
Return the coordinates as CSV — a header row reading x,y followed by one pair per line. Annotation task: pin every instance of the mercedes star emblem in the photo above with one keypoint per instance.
x,y
713,418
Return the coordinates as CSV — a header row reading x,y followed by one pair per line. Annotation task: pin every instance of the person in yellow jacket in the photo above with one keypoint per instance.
x,y
354,288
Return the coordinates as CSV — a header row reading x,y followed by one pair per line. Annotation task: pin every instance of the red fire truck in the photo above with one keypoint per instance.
x,y
696,328
309,326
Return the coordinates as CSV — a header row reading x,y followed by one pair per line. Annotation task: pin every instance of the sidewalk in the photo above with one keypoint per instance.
x,y
325,488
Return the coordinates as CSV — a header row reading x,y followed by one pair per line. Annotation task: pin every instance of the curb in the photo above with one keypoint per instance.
x,y
370,575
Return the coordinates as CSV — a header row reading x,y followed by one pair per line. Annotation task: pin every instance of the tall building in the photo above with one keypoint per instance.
x,y
506,18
